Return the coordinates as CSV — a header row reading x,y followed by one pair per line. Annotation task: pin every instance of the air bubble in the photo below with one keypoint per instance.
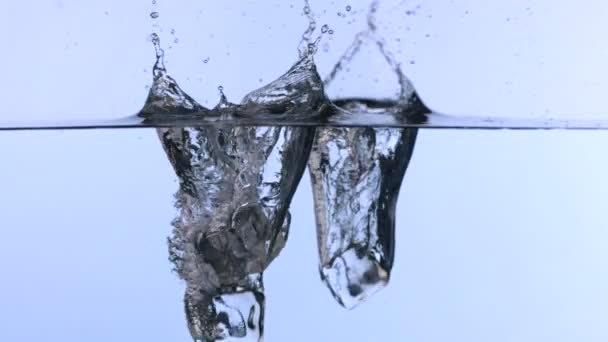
x,y
154,15
324,28
155,39
312,48
348,8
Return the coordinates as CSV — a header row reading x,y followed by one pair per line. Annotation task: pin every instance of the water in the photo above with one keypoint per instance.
x,y
239,165
498,227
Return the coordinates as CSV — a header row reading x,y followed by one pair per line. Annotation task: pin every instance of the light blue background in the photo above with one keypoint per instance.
x,y
502,235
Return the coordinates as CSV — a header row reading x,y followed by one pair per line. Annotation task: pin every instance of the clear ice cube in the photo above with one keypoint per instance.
x,y
236,184
235,314
356,174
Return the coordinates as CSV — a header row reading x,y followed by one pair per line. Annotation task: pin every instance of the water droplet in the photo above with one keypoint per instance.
x,y
348,8
324,28
312,48
172,31
260,80
155,39
176,40
153,2
154,15
412,62
304,46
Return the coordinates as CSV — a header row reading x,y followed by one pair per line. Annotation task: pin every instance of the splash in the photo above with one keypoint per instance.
x,y
165,95
356,175
236,184
408,102
297,94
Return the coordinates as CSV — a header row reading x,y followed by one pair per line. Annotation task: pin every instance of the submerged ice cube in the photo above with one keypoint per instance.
x,y
236,184
356,174
235,314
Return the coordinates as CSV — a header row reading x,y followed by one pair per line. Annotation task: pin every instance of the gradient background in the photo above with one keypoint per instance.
x,y
501,235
